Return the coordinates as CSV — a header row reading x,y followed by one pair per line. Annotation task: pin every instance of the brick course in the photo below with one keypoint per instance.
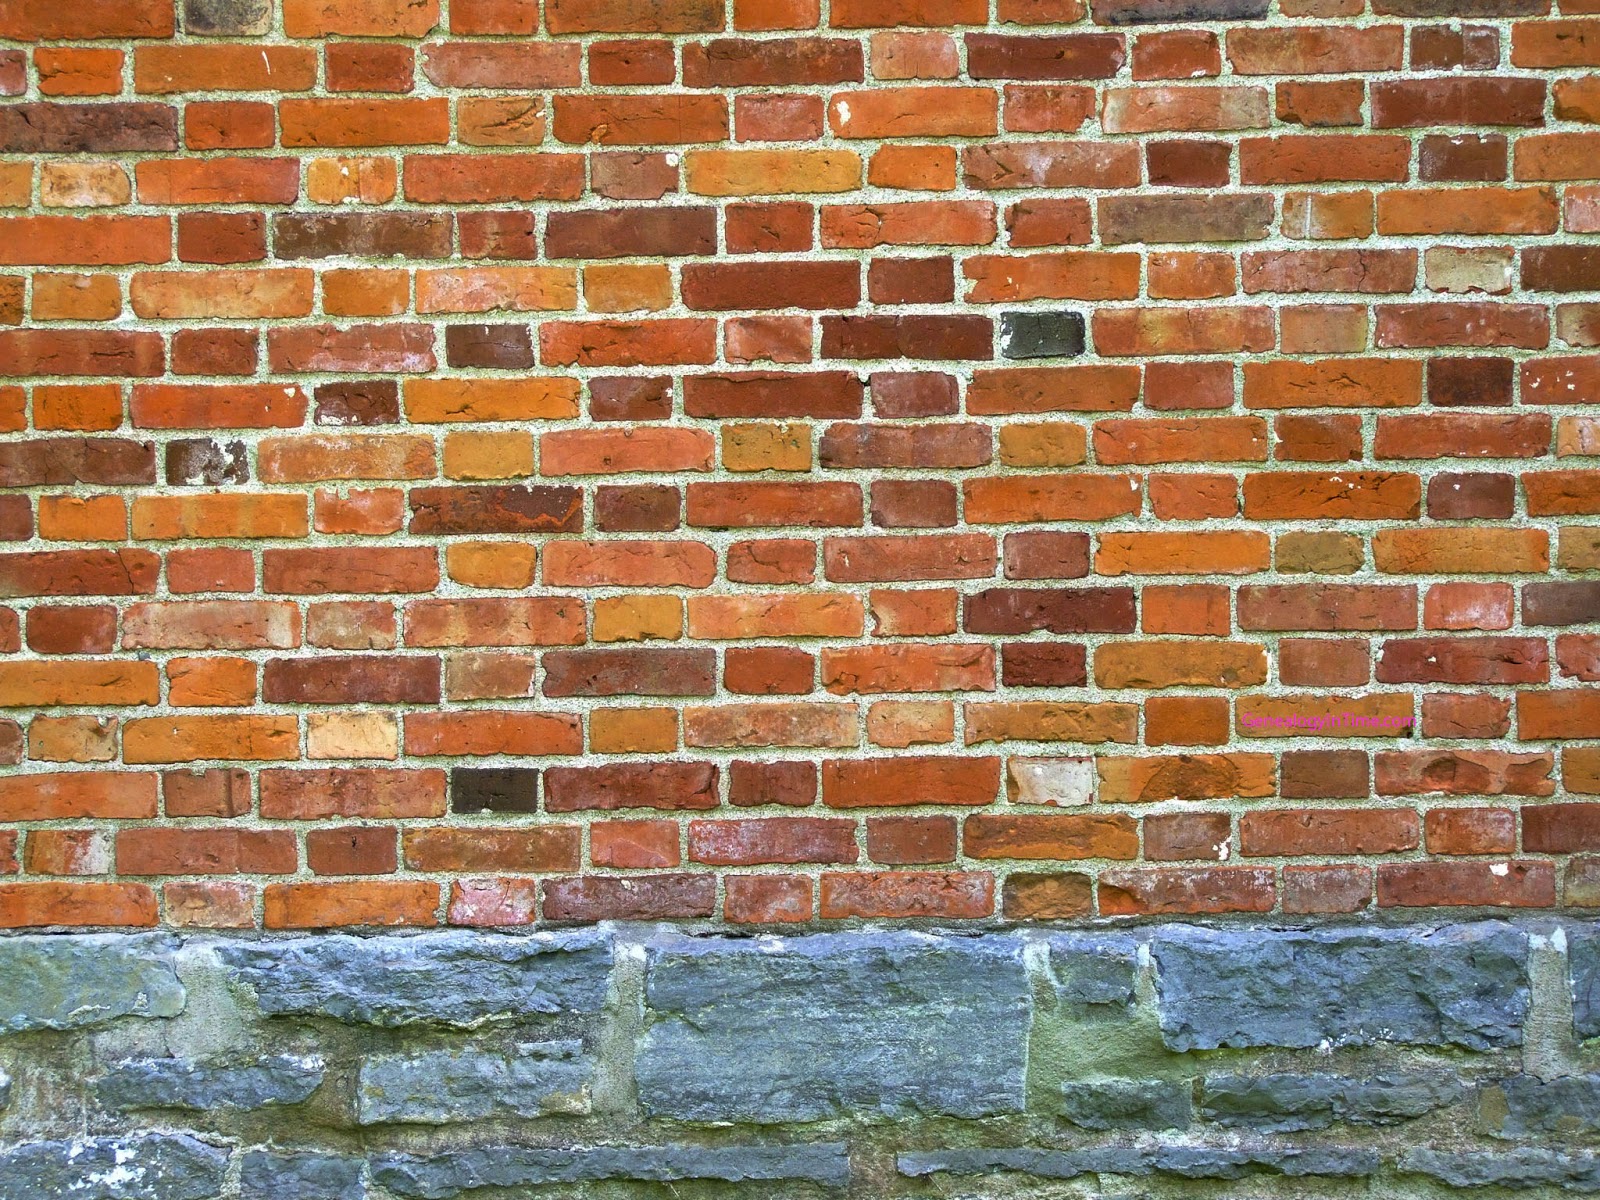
x,y
485,465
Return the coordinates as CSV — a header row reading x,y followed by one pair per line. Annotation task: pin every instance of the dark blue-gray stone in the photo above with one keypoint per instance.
x,y
142,1167
1583,957
1128,1104
1087,968
1279,1103
1215,1162
1510,1168
801,1029
227,18
1524,1106
86,979
441,1176
1195,1162
1042,334
1284,1103
1463,985
440,1087
1144,12
463,979
266,1175
1045,1164
188,1084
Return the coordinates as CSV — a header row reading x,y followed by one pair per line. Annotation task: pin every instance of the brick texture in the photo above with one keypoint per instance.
x,y
783,463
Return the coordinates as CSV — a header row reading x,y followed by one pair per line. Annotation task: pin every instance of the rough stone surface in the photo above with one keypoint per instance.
x,y
1461,985
1195,1162
1088,968
635,1062
394,981
1514,1168
141,1167
442,1087
184,1083
1583,952
1128,1104
1285,1103
66,983
1525,1106
448,1175
264,1175
912,1023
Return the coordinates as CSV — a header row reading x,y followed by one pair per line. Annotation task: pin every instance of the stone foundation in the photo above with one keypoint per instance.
x,y
637,1061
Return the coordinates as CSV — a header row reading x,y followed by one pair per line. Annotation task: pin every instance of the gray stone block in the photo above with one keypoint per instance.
x,y
806,1028
1141,12
266,1175
142,1167
187,1084
1284,1103
1583,957
227,18
1529,1168
5,1090
1042,334
1088,968
441,1087
85,979
1524,1106
1463,985
1194,1162
442,1176
459,979
1213,1162
1128,1104
1023,1160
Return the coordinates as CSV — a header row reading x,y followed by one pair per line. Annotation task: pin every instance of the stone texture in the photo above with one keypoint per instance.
x,y
1195,1162
443,1087
1583,952
1287,1103
141,1167
1087,968
1462,985
1525,1106
451,1174
67,983
390,981
188,1084
735,1032
1219,1063
1128,1104
1513,1169
264,1175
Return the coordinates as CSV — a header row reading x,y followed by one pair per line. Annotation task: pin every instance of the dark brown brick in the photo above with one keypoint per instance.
x,y
507,508
501,347
352,679
632,232
1044,56
362,235
632,672
1057,610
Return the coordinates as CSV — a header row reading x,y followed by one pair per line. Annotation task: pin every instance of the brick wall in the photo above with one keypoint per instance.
x,y
684,458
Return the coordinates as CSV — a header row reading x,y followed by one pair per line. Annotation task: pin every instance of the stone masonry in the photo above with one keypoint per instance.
x,y
637,1061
